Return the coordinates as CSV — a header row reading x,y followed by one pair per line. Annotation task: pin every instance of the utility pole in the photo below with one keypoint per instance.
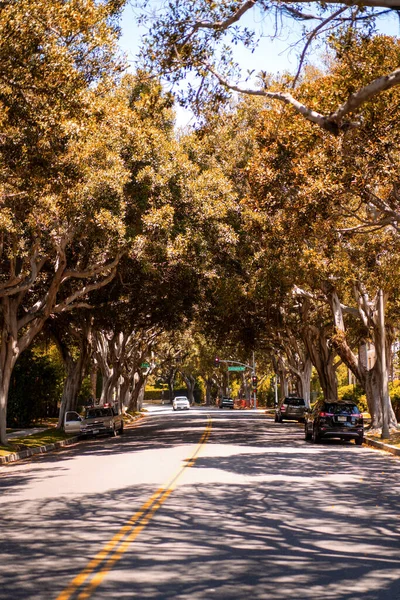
x,y
241,367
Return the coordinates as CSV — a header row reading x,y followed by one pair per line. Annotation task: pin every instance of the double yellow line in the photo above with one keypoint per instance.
x,y
84,584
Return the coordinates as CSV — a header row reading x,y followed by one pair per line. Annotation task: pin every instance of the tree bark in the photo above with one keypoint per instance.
x,y
208,382
373,380
322,355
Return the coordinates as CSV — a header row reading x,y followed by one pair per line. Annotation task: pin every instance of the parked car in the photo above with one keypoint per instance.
x,y
181,403
291,409
226,402
334,419
102,420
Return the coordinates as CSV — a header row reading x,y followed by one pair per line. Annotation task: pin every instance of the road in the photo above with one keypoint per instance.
x,y
202,504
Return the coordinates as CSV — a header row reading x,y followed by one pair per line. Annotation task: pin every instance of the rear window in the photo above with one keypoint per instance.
x,y
98,412
294,402
337,409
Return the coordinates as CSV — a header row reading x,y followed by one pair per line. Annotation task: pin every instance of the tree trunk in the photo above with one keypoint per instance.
x,y
373,380
137,396
304,380
10,349
72,386
8,357
190,382
322,358
208,383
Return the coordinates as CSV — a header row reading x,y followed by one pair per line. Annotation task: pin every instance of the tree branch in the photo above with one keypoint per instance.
x,y
380,84
222,25
333,122
325,122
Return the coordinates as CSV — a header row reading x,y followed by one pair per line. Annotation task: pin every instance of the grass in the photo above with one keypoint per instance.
x,y
50,436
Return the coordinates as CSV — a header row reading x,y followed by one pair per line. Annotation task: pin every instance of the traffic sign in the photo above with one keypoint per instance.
x,y
145,365
236,368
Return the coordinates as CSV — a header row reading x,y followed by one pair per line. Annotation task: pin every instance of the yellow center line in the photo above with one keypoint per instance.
x,y
127,534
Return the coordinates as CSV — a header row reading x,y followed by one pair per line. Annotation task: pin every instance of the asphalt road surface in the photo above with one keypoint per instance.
x,y
202,504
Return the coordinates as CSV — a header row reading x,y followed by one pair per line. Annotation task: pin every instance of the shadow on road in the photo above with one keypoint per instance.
x,y
261,515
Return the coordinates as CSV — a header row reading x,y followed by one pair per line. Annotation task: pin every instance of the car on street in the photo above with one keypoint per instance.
x,y
291,409
334,419
181,403
101,420
226,402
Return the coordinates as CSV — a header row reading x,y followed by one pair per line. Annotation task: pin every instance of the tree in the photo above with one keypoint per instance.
x,y
72,335
192,37
321,196
61,176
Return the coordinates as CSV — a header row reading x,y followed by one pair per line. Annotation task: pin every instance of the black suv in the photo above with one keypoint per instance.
x,y
334,419
292,409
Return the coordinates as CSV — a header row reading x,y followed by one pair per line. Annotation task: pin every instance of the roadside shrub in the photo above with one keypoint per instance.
x,y
353,393
394,390
35,388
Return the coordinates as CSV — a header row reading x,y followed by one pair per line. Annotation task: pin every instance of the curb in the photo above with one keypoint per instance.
x,y
38,450
382,446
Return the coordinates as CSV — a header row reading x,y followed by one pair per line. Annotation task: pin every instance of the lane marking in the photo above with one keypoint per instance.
x,y
118,545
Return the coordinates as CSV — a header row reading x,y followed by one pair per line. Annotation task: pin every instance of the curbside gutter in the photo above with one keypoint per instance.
x,y
38,450
382,446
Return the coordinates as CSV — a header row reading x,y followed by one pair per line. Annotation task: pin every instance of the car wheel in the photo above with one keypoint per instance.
x,y
113,432
121,429
276,419
359,440
307,434
316,437
280,420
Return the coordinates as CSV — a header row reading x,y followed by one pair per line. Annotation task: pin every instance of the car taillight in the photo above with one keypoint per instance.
x,y
325,414
283,408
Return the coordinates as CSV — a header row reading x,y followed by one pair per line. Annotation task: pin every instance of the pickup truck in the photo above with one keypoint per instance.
x,y
102,420
98,420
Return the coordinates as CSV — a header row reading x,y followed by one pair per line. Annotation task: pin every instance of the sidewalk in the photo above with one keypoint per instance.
x,y
37,450
25,432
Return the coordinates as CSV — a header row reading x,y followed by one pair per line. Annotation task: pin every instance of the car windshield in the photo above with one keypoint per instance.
x,y
98,412
338,409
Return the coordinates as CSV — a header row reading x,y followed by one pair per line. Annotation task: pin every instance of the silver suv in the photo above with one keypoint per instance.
x,y
292,409
102,420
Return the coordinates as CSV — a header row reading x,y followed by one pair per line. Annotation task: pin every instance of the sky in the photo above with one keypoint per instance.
x,y
272,56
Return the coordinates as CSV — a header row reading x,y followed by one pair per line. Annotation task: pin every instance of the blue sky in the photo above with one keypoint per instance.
x,y
272,56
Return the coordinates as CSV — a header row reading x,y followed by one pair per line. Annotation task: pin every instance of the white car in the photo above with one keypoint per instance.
x,y
181,403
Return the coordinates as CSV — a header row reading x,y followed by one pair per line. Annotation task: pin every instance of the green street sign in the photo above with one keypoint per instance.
x,y
145,365
236,368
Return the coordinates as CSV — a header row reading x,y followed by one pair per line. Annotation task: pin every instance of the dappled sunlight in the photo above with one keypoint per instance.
x,y
258,513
